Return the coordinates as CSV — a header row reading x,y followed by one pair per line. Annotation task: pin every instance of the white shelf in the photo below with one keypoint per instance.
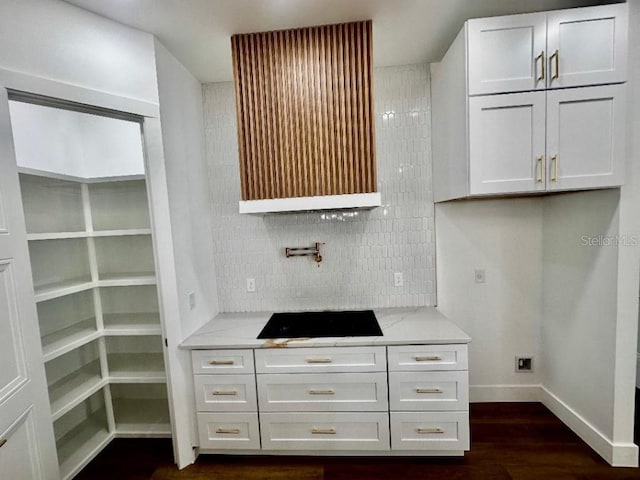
x,y
126,279
116,324
103,233
142,417
136,368
78,447
68,287
70,338
74,389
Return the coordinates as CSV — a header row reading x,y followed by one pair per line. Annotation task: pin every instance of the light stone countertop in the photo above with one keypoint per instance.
x,y
400,326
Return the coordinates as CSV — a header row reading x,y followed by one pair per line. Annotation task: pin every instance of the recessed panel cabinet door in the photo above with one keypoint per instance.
x,y
507,143
27,449
585,137
587,46
507,54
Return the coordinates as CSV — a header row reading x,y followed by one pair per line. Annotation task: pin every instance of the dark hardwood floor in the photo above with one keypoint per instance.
x,y
519,441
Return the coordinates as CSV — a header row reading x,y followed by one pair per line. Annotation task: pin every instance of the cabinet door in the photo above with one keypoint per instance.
x,y
506,143
507,54
585,137
587,46
27,448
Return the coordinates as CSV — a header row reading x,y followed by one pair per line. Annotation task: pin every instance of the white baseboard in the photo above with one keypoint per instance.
x,y
616,454
504,393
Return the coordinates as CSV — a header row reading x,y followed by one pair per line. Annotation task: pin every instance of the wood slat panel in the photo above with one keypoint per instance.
x,y
304,101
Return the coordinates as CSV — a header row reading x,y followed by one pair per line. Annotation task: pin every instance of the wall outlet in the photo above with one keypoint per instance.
x,y
479,275
192,300
251,285
524,364
398,279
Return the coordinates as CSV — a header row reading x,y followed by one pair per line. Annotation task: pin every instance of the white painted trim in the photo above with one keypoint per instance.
x,y
337,453
73,178
301,204
74,93
617,454
504,393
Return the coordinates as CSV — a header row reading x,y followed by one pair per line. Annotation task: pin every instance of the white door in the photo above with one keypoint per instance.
x,y
507,143
507,54
587,46
27,448
585,137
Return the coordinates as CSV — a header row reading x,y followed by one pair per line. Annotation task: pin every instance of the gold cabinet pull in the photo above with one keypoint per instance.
x,y
424,431
556,63
541,58
322,392
428,358
318,360
224,392
323,431
554,177
541,169
231,431
2,442
428,390
221,362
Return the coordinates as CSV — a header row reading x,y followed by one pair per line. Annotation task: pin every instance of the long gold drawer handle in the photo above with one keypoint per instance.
x,y
323,431
2,442
232,431
225,392
424,431
428,390
319,360
428,358
221,362
322,392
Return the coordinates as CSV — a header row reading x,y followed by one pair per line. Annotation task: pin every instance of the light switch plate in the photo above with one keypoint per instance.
x,y
251,285
398,279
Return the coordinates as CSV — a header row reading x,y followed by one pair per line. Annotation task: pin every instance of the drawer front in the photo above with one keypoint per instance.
x,y
430,430
307,360
323,392
428,357
429,390
222,361
225,393
229,431
325,431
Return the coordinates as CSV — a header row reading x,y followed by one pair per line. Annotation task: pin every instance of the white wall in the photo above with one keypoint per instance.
x,y
363,249
189,208
74,143
579,303
504,238
55,40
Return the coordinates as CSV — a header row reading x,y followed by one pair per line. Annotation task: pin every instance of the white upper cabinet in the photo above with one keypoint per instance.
x,y
587,46
506,54
504,119
567,48
585,137
507,143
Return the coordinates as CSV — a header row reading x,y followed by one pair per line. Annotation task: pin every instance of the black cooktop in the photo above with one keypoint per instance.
x,y
322,324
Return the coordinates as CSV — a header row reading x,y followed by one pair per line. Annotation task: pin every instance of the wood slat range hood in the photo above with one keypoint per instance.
x,y
304,102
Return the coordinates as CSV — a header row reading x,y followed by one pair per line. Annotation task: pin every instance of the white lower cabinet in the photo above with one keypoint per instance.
x,y
430,430
229,431
325,431
334,399
323,392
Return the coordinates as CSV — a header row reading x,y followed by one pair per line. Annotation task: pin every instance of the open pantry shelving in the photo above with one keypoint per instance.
x,y
93,269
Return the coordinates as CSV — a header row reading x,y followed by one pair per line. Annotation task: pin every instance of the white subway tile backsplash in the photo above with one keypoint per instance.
x,y
362,249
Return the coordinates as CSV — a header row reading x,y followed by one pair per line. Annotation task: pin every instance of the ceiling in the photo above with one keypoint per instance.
x,y
197,32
